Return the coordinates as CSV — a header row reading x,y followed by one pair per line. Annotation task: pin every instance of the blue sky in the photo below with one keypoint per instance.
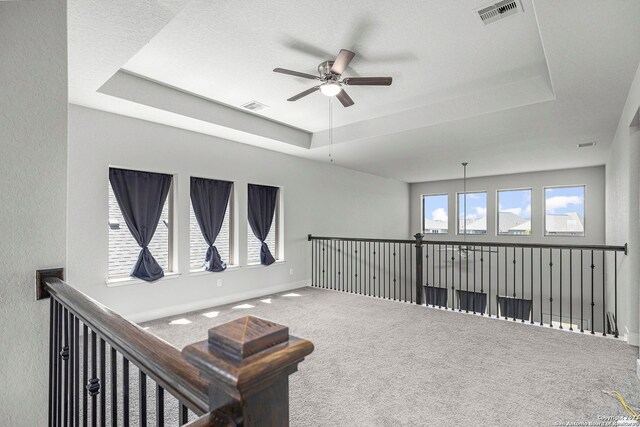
x,y
562,200
436,207
476,205
515,201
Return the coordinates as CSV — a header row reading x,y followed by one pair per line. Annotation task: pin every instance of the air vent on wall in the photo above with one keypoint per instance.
x,y
254,106
499,11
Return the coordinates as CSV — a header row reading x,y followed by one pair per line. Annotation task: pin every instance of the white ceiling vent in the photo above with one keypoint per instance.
x,y
254,106
499,11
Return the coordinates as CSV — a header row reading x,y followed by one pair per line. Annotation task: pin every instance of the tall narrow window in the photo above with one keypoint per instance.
x,y
263,224
210,210
139,224
514,212
564,211
472,213
435,219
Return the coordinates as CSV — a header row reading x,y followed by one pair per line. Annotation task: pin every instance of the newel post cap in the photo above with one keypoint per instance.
x,y
247,354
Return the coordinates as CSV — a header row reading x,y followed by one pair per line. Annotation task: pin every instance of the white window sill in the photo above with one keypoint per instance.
x,y
125,281
258,265
202,271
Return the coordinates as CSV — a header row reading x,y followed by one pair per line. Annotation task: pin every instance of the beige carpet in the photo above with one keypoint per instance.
x,y
383,363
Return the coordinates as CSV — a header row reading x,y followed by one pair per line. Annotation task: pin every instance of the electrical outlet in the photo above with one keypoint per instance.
x,y
291,272
219,282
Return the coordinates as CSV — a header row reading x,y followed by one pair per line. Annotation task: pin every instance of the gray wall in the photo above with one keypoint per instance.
x,y
316,198
623,200
33,161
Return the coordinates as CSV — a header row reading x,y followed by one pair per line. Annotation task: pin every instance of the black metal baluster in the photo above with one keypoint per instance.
x,y
426,263
506,277
531,268
474,279
466,276
593,319
551,288
125,391
142,396
581,290
604,301
489,296
76,370
93,384
59,404
64,354
103,376
411,287
357,268
375,264
184,414
498,281
405,272
159,406
394,271
615,291
482,273
541,296
380,287
85,374
453,278
114,387
388,252
52,358
522,284
313,263
514,280
561,271
446,272
322,260
439,274
571,289
459,277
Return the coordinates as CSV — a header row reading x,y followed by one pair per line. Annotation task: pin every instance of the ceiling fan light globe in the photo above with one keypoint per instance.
x,y
330,89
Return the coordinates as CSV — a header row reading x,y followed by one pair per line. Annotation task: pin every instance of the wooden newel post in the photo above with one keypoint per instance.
x,y
247,363
418,237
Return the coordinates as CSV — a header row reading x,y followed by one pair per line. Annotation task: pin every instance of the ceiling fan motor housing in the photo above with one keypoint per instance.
x,y
324,69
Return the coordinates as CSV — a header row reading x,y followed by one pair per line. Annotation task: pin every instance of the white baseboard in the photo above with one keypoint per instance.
x,y
213,302
633,338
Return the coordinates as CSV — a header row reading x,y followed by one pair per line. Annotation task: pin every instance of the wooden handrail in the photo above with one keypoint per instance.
x,y
613,248
239,376
157,358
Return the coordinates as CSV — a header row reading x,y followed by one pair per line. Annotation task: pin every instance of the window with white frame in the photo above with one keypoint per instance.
x,y
564,211
123,248
514,212
199,246
472,212
435,213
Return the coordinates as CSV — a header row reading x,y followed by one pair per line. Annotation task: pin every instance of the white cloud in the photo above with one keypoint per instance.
x,y
439,215
558,202
481,212
528,210
516,211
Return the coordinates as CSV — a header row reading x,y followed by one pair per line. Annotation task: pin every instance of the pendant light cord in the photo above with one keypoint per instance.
x,y
330,131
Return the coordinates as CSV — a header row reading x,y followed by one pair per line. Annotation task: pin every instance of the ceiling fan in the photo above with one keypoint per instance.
x,y
330,76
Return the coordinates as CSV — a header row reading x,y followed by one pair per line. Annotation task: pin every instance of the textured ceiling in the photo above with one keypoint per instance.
x,y
517,95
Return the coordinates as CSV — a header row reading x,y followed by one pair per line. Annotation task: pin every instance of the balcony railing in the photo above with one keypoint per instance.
x,y
560,286
106,370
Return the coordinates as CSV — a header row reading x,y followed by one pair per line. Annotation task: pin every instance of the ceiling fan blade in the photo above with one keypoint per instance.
x,y
303,94
368,81
306,48
296,73
344,98
342,61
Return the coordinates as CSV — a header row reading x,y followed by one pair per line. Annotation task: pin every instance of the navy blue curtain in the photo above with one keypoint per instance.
x,y
209,198
516,308
141,197
472,301
261,207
